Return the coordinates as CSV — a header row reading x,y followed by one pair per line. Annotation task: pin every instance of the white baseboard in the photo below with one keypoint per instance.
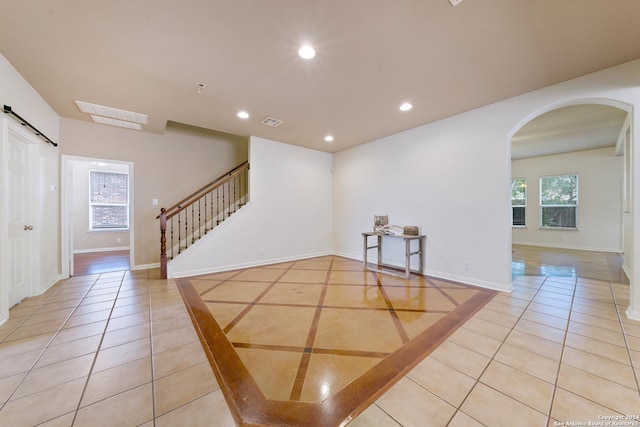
x,y
145,266
248,264
632,314
444,276
86,251
568,247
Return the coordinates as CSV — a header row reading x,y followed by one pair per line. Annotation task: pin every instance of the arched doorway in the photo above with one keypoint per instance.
x,y
586,143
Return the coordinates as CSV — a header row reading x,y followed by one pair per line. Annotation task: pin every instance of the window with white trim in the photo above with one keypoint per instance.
x,y
518,202
559,201
108,201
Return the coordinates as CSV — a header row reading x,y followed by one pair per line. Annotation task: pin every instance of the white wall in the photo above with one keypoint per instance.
x,y
600,175
16,92
453,179
289,214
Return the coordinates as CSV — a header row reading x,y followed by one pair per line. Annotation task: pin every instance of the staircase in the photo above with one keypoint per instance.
x,y
192,218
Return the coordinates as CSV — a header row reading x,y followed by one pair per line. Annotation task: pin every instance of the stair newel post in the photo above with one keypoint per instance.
x,y
163,243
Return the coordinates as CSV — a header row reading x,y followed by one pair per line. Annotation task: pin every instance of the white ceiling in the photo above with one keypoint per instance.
x,y
146,56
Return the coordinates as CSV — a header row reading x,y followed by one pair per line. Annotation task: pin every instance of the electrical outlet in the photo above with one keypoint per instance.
x,y
118,240
261,251
467,265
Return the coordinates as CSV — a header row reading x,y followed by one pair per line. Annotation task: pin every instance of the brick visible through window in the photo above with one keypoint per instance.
x,y
109,200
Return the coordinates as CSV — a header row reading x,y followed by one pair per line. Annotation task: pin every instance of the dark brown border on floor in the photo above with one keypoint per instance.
x,y
248,404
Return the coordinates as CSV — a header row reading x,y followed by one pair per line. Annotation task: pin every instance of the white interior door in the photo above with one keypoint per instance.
x,y
19,225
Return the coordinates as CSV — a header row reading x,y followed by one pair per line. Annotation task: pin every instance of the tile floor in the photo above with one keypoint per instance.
x,y
119,349
293,340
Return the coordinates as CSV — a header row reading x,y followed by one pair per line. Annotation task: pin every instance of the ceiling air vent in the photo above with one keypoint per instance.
x,y
270,121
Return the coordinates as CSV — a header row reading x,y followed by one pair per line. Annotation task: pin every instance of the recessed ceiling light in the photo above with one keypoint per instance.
x,y
328,138
406,107
306,52
243,114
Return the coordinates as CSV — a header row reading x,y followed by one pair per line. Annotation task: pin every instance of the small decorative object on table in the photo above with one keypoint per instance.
x,y
379,221
410,230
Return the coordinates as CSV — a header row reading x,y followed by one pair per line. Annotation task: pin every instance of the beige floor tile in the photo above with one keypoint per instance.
x,y
127,321
597,333
480,343
611,325
342,329
126,335
326,373
54,316
8,386
599,390
209,410
549,310
508,309
33,330
18,363
177,358
123,310
410,405
608,351
118,355
354,296
518,385
617,372
294,293
489,329
173,338
65,420
605,313
30,410
373,416
53,375
85,308
445,382
83,319
182,387
304,276
496,317
69,350
495,409
525,361
568,406
545,319
535,344
460,419
467,361
77,332
116,380
540,330
11,348
552,302
131,408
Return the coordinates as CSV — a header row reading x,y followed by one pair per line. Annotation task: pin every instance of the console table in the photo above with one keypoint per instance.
x,y
408,254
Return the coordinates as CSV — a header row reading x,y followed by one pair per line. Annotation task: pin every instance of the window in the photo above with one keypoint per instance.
x,y
518,202
559,201
109,201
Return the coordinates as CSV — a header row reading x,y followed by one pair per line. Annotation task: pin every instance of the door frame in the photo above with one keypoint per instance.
x,y
66,210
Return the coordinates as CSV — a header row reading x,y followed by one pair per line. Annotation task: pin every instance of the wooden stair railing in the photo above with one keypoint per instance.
x,y
197,214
